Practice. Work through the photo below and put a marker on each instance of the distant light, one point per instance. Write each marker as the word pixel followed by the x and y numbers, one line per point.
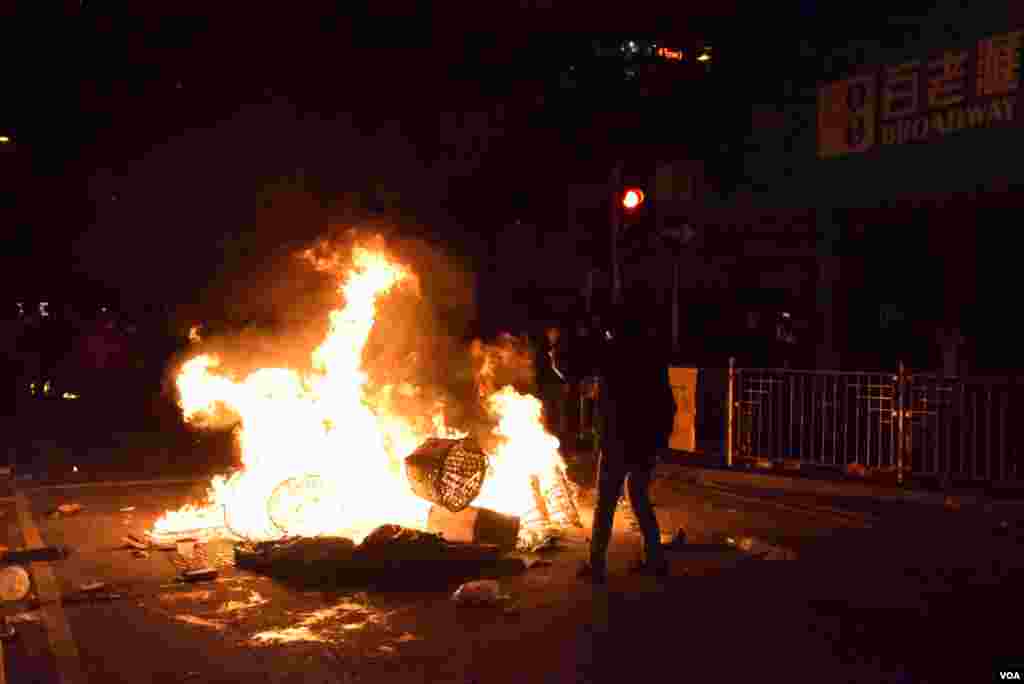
pixel 4 139
pixel 670 54
pixel 74 469
pixel 70 395
pixel 705 54
pixel 633 198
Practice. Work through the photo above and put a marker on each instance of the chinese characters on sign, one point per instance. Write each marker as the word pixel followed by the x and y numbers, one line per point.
pixel 920 100
pixel 947 80
pixel 846 116
pixel 999 64
pixel 900 90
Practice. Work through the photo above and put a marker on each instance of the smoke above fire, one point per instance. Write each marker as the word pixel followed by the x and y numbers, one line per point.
pixel 343 399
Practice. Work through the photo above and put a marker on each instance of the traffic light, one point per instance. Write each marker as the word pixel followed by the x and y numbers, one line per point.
pixel 632 198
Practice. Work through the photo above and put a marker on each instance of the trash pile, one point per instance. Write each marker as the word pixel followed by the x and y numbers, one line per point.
pixel 387 547
pixel 450 474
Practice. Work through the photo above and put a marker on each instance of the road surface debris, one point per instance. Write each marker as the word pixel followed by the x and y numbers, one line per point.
pixel 200 575
pixel 65 510
pixel 479 592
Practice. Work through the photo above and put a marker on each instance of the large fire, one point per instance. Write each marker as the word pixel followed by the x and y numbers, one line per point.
pixel 328 453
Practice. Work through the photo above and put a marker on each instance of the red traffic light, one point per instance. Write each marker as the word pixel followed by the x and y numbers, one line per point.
pixel 632 198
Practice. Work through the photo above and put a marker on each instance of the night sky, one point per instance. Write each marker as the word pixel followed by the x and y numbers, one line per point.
pixel 158 148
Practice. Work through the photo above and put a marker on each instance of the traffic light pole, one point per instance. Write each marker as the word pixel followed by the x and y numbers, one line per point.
pixel 675 303
pixel 616 229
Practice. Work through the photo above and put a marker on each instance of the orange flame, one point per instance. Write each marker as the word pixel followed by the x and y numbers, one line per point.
pixel 321 458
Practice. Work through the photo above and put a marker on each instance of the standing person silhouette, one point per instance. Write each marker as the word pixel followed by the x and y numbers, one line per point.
pixel 551 378
pixel 637 410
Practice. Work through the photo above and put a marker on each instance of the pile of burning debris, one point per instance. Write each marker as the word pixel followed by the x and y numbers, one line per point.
pixel 449 473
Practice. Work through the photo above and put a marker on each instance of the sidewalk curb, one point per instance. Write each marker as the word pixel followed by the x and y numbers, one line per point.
pixel 722 477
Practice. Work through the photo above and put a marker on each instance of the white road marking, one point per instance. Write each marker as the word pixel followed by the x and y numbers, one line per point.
pixel 124 483
pixel 58 631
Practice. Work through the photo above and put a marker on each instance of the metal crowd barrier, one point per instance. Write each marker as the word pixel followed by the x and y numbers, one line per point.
pixel 913 423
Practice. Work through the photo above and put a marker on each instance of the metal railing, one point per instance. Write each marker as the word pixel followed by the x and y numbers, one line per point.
pixel 912 423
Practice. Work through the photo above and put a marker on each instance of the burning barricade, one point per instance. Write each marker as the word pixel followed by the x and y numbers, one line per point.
pixel 329 468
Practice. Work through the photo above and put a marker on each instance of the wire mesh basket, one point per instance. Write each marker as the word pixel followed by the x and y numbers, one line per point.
pixel 447 472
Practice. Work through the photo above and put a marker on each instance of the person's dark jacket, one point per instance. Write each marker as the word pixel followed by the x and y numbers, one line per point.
pixel 547 378
pixel 636 401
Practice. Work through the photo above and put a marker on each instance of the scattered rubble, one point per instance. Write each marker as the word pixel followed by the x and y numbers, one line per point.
pixel 858 470
pixel 474 526
pixel 66 509
pixel 760 549
pixel 479 592
pixel 91 596
pixel 255 599
pixel 552 542
pixel 182 595
pixel 200 575
pixel 46 553
pixel 301 550
pixel 200 622
pixel 91 586
pixel 134 542
pixel 140 554
pixel 21 618
pixel 186 548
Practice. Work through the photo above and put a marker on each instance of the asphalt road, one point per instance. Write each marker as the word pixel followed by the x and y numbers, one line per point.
pixel 923 595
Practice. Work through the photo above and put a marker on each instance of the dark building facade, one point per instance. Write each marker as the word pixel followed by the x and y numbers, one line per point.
pixel 874 184
pixel 906 156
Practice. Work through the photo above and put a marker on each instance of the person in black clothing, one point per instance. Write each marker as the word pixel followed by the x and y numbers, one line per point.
pixel 583 364
pixel 551 379
pixel 637 410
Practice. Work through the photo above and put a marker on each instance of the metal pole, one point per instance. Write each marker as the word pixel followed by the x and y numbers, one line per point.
pixel 730 401
pixel 675 306
pixel 616 228
pixel 901 403
pixel 588 294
